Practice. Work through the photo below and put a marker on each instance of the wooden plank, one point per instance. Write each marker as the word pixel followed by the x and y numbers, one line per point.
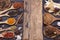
pixel 33 17
pixel 26 17
pixel 35 30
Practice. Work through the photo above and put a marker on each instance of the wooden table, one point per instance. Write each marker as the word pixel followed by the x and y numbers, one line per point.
pixel 32 20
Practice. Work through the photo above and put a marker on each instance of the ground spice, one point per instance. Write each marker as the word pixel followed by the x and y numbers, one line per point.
pixel 9 35
pixel 11 21
pixel 18 5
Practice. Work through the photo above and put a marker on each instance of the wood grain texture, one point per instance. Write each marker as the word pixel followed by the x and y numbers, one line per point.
pixel 33 16
pixel 26 14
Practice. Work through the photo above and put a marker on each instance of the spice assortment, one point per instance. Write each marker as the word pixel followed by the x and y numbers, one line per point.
pixel 51 16
pixel 4 4
pixel 11 19
pixel 14 6
pixel 11 13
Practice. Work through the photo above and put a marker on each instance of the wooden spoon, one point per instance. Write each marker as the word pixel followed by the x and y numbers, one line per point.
pixel 16 5
pixel 48 18
pixel 51 31
pixel 19 18
pixel 12 28
pixel 8 34
pixel 8 15
pixel 9 21
pixel 4 4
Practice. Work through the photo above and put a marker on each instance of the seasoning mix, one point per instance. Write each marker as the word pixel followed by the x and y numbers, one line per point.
pixel 11 19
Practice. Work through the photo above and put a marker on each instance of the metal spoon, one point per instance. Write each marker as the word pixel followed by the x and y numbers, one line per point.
pixel 48 18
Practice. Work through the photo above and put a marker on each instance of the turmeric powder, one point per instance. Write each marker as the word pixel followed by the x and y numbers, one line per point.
pixel 11 21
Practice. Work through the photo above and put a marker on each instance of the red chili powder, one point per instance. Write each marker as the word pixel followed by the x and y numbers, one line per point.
pixel 18 5
pixel 9 35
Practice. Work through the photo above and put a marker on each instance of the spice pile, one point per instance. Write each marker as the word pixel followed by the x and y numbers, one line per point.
pixel 11 19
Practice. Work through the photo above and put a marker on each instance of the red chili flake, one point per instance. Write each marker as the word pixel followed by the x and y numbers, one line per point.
pixel 9 35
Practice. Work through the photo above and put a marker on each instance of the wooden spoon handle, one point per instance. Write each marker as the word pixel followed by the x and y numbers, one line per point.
pixel 58 32
pixel 19 19
pixel 2 22
pixel 4 11
pixel 52 28
pixel 57 18
pixel 3 15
